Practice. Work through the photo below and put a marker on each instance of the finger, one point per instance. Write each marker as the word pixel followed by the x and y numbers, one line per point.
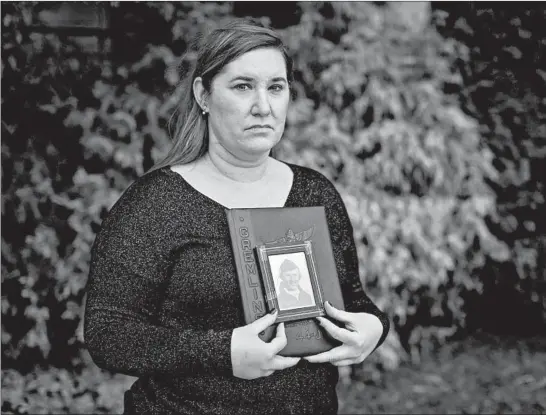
pixel 345 362
pixel 338 333
pixel 333 355
pixel 279 342
pixel 282 362
pixel 337 314
pixel 264 322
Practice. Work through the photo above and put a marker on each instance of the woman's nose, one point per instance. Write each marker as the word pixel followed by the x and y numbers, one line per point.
pixel 261 105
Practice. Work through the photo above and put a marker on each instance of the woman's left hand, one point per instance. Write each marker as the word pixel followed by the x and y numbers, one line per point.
pixel 359 337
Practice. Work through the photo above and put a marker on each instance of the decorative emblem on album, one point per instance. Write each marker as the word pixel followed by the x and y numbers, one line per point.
pixel 294 237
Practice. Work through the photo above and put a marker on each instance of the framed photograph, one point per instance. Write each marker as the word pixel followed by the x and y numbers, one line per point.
pixel 290 280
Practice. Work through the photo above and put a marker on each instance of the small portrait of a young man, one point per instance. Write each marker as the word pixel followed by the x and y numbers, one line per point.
pixel 292 281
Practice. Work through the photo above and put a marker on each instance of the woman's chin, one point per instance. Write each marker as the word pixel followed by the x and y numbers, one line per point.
pixel 259 145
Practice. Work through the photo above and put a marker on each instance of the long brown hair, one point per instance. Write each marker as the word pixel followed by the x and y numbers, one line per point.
pixel 219 48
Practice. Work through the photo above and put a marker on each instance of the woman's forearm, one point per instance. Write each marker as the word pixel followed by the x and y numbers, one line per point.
pixel 123 342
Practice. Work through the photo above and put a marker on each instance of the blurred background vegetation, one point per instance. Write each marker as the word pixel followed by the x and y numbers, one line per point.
pixel 430 118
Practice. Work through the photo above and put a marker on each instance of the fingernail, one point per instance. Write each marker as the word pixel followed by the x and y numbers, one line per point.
pixel 273 311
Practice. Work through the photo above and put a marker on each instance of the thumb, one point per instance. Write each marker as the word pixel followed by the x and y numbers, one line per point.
pixel 264 322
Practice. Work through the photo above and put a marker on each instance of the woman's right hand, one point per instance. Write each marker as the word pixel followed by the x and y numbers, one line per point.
pixel 253 358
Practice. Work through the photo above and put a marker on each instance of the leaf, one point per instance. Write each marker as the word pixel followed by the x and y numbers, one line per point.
pixel 127 119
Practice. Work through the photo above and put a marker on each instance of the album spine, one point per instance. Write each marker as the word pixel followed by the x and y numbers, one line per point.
pixel 243 243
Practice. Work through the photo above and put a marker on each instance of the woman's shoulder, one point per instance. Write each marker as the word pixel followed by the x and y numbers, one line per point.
pixel 307 176
pixel 149 194
pixel 140 210
pixel 314 187
pixel 155 183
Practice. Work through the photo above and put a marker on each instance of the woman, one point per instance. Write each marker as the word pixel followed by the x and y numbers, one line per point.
pixel 163 298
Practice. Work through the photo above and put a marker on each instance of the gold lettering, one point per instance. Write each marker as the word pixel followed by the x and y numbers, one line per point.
pixel 307 335
pixel 252 283
pixel 251 268
pixel 258 306
pixel 247 255
pixel 246 244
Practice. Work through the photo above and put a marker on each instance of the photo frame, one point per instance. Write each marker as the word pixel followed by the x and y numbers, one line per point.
pixel 290 280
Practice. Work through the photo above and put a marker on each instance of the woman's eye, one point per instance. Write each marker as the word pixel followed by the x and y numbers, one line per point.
pixel 242 87
pixel 277 87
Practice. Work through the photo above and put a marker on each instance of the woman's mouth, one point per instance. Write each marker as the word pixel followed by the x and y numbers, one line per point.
pixel 260 127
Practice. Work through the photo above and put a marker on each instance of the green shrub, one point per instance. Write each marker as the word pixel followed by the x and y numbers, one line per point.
pixel 60 391
pixel 376 109
pixel 373 114
pixel 505 86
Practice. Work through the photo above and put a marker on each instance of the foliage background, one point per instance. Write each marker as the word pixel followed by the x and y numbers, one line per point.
pixel 430 119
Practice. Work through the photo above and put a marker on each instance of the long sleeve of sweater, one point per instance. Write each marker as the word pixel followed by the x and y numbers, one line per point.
pixel 128 277
pixel 355 298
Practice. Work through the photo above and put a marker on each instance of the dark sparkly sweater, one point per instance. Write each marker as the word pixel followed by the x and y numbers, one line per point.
pixel 163 300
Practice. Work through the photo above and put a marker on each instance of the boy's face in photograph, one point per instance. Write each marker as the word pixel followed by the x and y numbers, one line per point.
pixel 292 278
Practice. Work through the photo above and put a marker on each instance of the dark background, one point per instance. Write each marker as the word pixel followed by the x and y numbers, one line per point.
pixel 429 118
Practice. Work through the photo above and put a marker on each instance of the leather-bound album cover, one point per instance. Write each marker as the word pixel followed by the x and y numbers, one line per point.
pixel 284 260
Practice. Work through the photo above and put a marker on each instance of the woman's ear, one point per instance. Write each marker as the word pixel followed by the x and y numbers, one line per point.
pixel 200 93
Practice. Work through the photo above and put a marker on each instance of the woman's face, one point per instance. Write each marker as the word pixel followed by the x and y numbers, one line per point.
pixel 247 104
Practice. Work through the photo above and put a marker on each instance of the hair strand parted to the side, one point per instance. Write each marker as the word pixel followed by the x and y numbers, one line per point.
pixel 216 50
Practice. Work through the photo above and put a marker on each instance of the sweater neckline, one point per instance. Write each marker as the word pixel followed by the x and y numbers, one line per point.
pixel 168 171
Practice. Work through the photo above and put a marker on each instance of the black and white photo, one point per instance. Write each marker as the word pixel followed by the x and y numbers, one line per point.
pixel 292 281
